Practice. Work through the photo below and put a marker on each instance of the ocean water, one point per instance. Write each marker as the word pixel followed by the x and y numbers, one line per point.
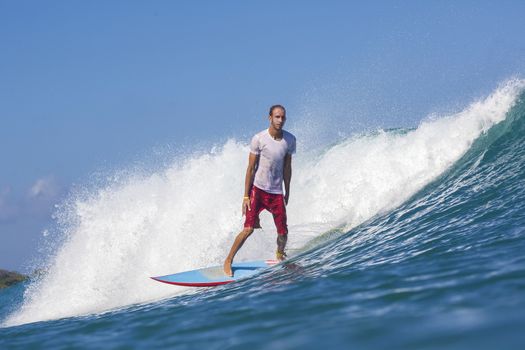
pixel 408 239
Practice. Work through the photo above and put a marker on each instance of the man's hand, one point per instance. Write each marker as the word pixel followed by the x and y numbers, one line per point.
pixel 286 196
pixel 246 205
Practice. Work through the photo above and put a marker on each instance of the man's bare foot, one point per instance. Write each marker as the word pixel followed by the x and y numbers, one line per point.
pixel 281 256
pixel 228 268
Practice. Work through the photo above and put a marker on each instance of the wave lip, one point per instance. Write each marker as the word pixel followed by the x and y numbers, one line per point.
pixel 363 176
pixel 146 225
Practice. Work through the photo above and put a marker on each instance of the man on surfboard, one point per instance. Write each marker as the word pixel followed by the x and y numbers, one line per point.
pixel 269 165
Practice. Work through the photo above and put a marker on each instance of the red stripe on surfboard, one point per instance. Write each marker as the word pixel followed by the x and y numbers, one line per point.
pixel 203 284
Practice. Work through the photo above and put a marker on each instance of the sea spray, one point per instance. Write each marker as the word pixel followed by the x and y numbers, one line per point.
pixel 187 215
pixel 365 175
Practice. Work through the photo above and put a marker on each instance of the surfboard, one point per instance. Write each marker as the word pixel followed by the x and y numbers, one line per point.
pixel 215 276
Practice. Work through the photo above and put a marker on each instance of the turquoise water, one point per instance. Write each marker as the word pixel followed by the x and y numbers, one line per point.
pixel 444 269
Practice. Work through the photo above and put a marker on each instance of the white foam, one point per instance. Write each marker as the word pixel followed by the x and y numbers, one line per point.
pixel 187 215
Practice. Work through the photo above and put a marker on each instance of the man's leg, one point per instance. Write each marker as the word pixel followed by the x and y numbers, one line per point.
pixel 237 244
pixel 278 210
pixel 281 244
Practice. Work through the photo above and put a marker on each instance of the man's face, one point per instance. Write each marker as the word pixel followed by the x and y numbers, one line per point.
pixel 277 118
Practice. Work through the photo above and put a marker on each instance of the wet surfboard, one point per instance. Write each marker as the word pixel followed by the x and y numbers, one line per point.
pixel 215 276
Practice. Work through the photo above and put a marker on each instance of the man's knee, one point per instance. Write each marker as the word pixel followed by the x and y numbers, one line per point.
pixel 247 232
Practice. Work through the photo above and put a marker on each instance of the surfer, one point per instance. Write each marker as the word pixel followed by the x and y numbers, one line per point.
pixel 269 165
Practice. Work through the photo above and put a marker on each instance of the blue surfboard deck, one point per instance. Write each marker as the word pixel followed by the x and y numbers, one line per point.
pixel 215 276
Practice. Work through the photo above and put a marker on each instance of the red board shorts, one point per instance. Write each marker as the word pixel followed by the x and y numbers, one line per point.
pixel 274 203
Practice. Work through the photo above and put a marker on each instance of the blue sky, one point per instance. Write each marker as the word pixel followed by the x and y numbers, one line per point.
pixel 90 85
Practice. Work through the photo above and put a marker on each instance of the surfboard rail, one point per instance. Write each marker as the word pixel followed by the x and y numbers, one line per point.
pixel 194 284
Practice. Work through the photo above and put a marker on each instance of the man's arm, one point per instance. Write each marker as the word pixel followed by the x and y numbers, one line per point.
pixel 248 181
pixel 287 176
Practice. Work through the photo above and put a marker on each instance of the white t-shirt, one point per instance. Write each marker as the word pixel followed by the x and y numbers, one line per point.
pixel 270 170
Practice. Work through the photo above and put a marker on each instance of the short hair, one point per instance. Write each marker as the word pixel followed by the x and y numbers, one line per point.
pixel 277 106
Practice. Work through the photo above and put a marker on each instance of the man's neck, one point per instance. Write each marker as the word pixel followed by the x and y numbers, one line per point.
pixel 276 134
